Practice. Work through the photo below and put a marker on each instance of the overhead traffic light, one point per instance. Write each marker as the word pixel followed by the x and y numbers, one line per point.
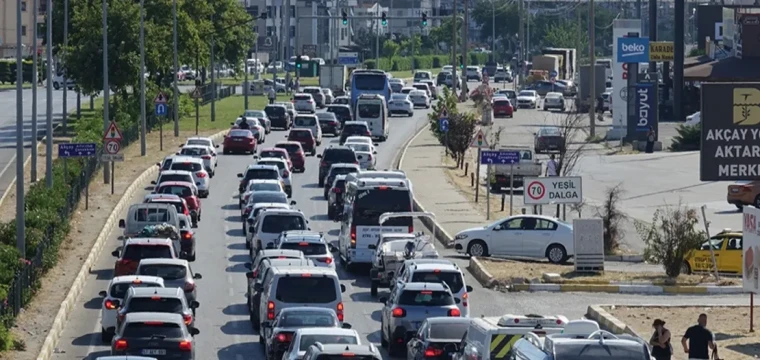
pixel 424 19
pixel 298 62
pixel 384 20
pixel 345 17
pixel 461 62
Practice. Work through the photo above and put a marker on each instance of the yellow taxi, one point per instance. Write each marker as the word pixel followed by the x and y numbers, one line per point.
pixel 727 246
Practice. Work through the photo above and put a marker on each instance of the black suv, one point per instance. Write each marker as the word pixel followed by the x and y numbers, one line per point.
pixel 353 128
pixel 342 112
pixel 278 115
pixel 334 155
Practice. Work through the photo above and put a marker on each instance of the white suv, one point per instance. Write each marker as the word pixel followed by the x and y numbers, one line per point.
pixel 113 299
pixel 270 223
pixel 304 103
pixel 439 271
pixel 282 167
pixel 312 244
pixel 198 169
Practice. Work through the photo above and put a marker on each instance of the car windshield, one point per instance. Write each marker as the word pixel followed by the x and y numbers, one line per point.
pixel 526 93
pixel 312 91
pixel 200 142
pixel 369 110
pixel 175 177
pixel 275 224
pixel 425 298
pixel 306 289
pixel 341 100
pixel 142 330
pixel 264 187
pixel 311 339
pixel 342 170
pixel 453 279
pixel 421 75
pixel 118 291
pixel 290 148
pixel 360 147
pixel 306 247
pixel 550 132
pixel 305 121
pixel 448 331
pixel 307 318
pixel 179 190
pixel 272 154
pixel 152 215
pixel 280 164
pixel 164 271
pixel 373 82
pixel 137 252
pixel 263 174
pixel 155 304
pixel 269 197
pixel 193 151
pixel 187 166
pixel 240 133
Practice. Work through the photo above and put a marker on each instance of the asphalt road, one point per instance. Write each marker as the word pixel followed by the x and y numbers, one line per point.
pixel 222 317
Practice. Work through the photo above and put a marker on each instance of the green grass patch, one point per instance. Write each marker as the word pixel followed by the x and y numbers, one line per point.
pixel 13 86
pixel 227 110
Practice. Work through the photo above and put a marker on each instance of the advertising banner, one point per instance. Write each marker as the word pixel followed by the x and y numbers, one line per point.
pixel 633 50
pixel 751 250
pixel 661 51
pixel 621 28
pixel 730 132
pixel 646 102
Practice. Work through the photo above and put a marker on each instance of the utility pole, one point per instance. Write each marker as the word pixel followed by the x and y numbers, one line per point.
pixel 106 103
pixel 521 34
pixel 143 124
pixel 35 81
pixel 678 59
pixel 465 24
pixel 653 31
pixel 213 75
pixel 49 98
pixel 493 31
pixel 20 218
pixel 377 37
pixel 527 30
pixel 454 78
pixel 592 72
pixel 65 119
pixel 176 70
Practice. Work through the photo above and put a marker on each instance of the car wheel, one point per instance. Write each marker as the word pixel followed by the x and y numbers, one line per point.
pixel 739 206
pixel 191 257
pixel 373 289
pixel 56 86
pixel 477 248
pixel 556 254
pixel 685 268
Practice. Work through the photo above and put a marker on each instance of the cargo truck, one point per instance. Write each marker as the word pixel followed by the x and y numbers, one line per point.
pixel 584 98
pixel 569 65
pixel 333 77
pixel 547 63
pixel 502 174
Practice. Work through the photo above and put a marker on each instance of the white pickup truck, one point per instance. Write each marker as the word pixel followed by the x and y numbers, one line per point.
pixel 527 167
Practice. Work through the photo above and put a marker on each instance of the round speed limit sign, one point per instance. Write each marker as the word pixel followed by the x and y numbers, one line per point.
pixel 112 147
pixel 536 190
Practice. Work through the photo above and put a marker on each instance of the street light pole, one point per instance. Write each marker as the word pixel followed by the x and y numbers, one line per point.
pixel 106 104
pixel 49 98
pixel 592 61
pixel 143 124
pixel 20 219
pixel 65 77
pixel 176 71
pixel 35 7
pixel 493 31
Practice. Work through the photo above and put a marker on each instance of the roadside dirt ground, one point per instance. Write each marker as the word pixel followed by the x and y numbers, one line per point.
pixel 33 324
pixel 730 326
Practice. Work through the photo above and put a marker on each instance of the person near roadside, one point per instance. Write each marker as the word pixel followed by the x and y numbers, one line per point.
pixel 272 94
pixel 650 140
pixel 660 341
pixel 698 340
pixel 551 166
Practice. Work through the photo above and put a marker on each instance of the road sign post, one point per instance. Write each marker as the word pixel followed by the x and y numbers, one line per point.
pixel 197 95
pixel 478 141
pixel 112 145
pixel 499 157
pixel 75 150
pixel 443 126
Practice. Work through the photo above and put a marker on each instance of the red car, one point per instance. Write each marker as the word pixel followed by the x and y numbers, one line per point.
pixel 502 107
pixel 296 153
pixel 239 140
pixel 277 153
pixel 185 191
pixel 306 138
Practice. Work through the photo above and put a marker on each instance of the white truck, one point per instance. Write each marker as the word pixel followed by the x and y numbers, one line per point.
pixel 528 166
pixel 333 77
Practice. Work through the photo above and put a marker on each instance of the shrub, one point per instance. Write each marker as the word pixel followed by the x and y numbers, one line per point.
pixel 401 63
pixel 689 138
pixel 670 237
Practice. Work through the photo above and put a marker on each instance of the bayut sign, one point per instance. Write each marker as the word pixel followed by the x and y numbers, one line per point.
pixel 645 107
pixel 633 50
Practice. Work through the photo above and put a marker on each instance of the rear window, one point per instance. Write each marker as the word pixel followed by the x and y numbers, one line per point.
pixel 240 133
pixel 138 330
pixel 312 91
pixel 371 203
pixel 265 187
pixel 326 116
pixel 302 97
pixel 501 103
pixel 175 177
pixel 452 279
pixel 280 165
pixel 339 156
pixel 339 110
pixel 137 252
pixel 305 121
pixel 300 134
pixel 263 174
pixel 340 184
pixel 157 304
pixel 305 247
pixel 187 166
pixel 272 154
pixel 370 110
pixel 275 224
pixel 550 132
pixel 151 215
pixel 449 331
pixel 179 190
pixel 344 357
pixel 290 148
pixel 355 128
pixel 422 76
pixel 420 87
pixel 306 289
pixel 309 340
pixel 307 319
pixel 164 271
pixel 342 171
pixel 425 298
pixel 275 110
pixel 194 151
pixel 118 291
pixel 280 198
pixel 177 205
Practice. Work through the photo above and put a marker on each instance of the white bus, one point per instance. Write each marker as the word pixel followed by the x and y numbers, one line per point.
pixel 373 109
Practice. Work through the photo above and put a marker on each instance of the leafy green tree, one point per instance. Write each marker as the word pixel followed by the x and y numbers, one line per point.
pixel 412 43
pixel 565 35
pixel 390 49
pixel 442 34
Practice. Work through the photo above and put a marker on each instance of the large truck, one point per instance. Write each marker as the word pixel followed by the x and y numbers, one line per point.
pixel 333 77
pixel 569 66
pixel 584 98
pixel 548 63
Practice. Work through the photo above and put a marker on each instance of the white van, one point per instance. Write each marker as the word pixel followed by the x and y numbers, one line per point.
pixel 372 109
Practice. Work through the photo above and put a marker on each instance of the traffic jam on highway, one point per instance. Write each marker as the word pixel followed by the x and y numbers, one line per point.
pixel 295 299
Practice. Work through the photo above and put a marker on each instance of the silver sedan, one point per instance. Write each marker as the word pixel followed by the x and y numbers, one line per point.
pixel 419 98
pixel 400 104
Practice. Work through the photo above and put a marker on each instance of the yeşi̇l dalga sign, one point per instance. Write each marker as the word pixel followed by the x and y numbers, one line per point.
pixel 553 190
pixel 730 143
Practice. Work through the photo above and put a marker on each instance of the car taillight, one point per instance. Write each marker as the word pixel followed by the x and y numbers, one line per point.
pixel 121 317
pixel 270 310
pixel 201 175
pixel 398 312
pixel 464 299
pixel 188 318
pixel 336 190
pixel 284 337
pixel 541 139
pixel 124 262
pixel 328 260
pixel 455 313
pixel 245 198
pixel 432 352
pixel 746 188
pixel 189 286
pixel 206 157
pixel 340 311
pixel 188 236
pixel 285 174
pixel 256 273
pixel 185 345
pixel 411 229
pixel 120 345
pixel 247 211
pixel 353 236
pixel 110 305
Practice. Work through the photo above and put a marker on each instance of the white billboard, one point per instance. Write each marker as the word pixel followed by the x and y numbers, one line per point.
pixel 621 28
pixel 751 249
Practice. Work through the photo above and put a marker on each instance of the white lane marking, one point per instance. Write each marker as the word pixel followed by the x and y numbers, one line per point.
pixel 95 339
pixel 231 292
pixel 229 279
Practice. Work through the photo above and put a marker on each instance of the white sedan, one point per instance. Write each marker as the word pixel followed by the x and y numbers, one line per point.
pixel 202 152
pixel 365 153
pixel 400 104
pixel 419 98
pixel 528 99
pixel 532 236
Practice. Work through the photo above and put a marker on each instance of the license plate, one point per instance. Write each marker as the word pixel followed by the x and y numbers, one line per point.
pixel 500 112
pixel 153 351
pixel 238 139
pixel 734 190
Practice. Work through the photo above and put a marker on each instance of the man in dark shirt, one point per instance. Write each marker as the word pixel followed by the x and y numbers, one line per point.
pixel 700 340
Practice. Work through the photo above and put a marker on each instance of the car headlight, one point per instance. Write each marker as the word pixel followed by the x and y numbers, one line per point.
pixel 460 237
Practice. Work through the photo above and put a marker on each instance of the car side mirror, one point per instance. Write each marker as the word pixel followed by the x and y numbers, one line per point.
pixel 346 326
pixel 153 182
pixel 469 288
pixel 248 266
pixel 239 175
pixel 194 331
pixel 372 247
pixel 181 146
pixel 249 275
pixel 342 288
pixel 103 293
pixel 374 153
pixel 115 253
pixel 232 123
pixel 122 223
pixel 255 156
pixel 319 156
pixel 216 146
pixel 293 202
pixel 256 286
pixel 382 299
pixel 158 164
pixel 195 304
pixel 197 276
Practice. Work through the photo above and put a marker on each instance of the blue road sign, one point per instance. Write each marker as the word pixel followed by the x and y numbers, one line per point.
pixel 488 157
pixel 443 125
pixel 161 109
pixel 633 50
pixel 67 150
pixel 348 58
pixel 553 73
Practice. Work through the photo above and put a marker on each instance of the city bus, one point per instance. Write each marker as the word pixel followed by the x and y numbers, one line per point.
pixel 369 82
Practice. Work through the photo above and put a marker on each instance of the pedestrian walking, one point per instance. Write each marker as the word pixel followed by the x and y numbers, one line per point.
pixel 698 341
pixel 551 166
pixel 272 94
pixel 650 140
pixel 298 85
pixel 288 81
pixel 660 341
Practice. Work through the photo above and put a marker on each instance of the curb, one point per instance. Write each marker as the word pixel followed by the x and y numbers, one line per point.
pixel 637 258
pixel 631 289
pixel 480 273
pixel 609 322
pixel 62 316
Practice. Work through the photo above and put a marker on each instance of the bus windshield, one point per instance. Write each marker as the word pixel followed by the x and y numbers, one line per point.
pixel 372 203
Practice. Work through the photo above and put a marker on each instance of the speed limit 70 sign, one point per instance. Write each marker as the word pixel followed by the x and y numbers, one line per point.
pixel 553 190
pixel 112 147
